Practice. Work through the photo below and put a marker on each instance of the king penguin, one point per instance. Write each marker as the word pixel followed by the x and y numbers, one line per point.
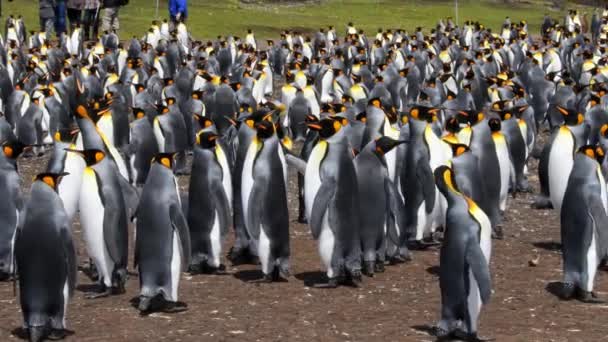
pixel 103 216
pixel 210 203
pixel 332 203
pixel 380 203
pixel 584 224
pixel 46 259
pixel 162 243
pixel 464 272
pixel 11 207
pixel 264 198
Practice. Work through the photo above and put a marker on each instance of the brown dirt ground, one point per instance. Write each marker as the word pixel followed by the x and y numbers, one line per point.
pixel 388 307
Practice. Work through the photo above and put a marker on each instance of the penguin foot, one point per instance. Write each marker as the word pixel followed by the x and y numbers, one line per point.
pixel 397 259
pixel 4 276
pixel 302 219
pixel 57 334
pixel 240 256
pixel 567 291
pixel 104 292
pixel 542 202
pixel 439 332
pixel 368 268
pixel 497 233
pixel 469 337
pixel 175 307
pixel 332 283
pixel 355 279
pixel 379 267
pixel 144 304
pixel 589 297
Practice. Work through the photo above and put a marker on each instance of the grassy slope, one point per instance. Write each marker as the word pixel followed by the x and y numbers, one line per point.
pixel 210 18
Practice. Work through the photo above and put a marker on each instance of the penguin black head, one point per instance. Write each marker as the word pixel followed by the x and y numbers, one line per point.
pixel 470 117
pixel 571 116
pixel 170 101
pixel 203 121
pixel 138 113
pixel 12 149
pixel 445 179
pixel 165 159
pixel 66 135
pixel 51 179
pixel 452 125
pixel 265 129
pixel 206 140
pixel 459 149
pixel 162 109
pixel 90 156
pixel 326 127
pixel 593 152
pixel 384 144
pixel 375 102
pixel 494 124
pixel 424 113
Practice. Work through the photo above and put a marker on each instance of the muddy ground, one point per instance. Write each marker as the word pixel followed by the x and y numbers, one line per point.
pixel 393 306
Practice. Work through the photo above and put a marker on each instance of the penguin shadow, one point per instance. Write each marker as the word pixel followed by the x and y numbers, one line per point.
pixel 88 287
pixel 313 278
pixel 22 333
pixel 430 331
pixel 158 305
pixel 556 288
pixel 433 270
pixel 254 276
pixel 548 245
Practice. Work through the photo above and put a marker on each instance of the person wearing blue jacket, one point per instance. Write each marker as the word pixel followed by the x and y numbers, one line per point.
pixel 178 10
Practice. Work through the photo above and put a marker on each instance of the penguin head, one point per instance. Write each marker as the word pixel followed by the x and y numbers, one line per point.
pixel 423 113
pixel 170 101
pixel 138 113
pixel 203 121
pixel 66 135
pixel 206 139
pixel 470 117
pixel 326 127
pixel 495 125
pixel 594 152
pixel 51 179
pixel 452 125
pixel 445 180
pixel 375 102
pixel 165 159
pixel 385 144
pixel 459 149
pixel 12 149
pixel 571 116
pixel 90 156
pixel 265 129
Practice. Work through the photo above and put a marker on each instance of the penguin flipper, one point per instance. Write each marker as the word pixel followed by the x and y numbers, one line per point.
pixel 321 204
pixel 425 177
pixel 396 208
pixel 114 239
pixel 70 258
pixel 254 220
pixel 481 271
pixel 600 221
pixel 130 195
pixel 223 212
pixel 296 162
pixel 179 223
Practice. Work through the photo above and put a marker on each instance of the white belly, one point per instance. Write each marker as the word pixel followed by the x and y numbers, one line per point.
pixel 504 163
pixel 176 265
pixel 69 187
pixel 106 125
pixel 473 301
pixel 66 299
pixel 264 252
pixel 247 180
pixel 312 177
pixel 158 134
pixel 91 220
pixel 560 166
pixel 216 242
pixel 326 247
pixel 592 263
pixel 226 178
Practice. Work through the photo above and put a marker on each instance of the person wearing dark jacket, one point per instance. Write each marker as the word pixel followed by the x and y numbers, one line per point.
pixel 109 20
pixel 75 13
pixel 90 19
pixel 60 22
pixel 47 16
pixel 178 10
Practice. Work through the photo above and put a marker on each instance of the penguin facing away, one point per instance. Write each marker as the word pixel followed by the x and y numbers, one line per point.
pixel 46 259
pixel 210 203
pixel 464 273
pixel 162 244
pixel 584 224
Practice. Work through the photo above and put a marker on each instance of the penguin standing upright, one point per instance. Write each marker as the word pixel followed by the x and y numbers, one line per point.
pixel 11 206
pixel 264 196
pixel 162 244
pixel 332 203
pixel 504 161
pixel 46 259
pixel 584 224
pixel 103 216
pixel 464 272
pixel 210 202
pixel 381 203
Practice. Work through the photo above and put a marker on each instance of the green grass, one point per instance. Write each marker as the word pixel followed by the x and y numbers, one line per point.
pixel 207 19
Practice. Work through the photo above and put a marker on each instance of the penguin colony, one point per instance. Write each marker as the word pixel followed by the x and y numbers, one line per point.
pixel 408 141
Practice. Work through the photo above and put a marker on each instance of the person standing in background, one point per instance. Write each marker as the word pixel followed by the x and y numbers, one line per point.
pixel 47 16
pixel 178 11
pixel 60 21
pixel 75 12
pixel 109 20
pixel 90 19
